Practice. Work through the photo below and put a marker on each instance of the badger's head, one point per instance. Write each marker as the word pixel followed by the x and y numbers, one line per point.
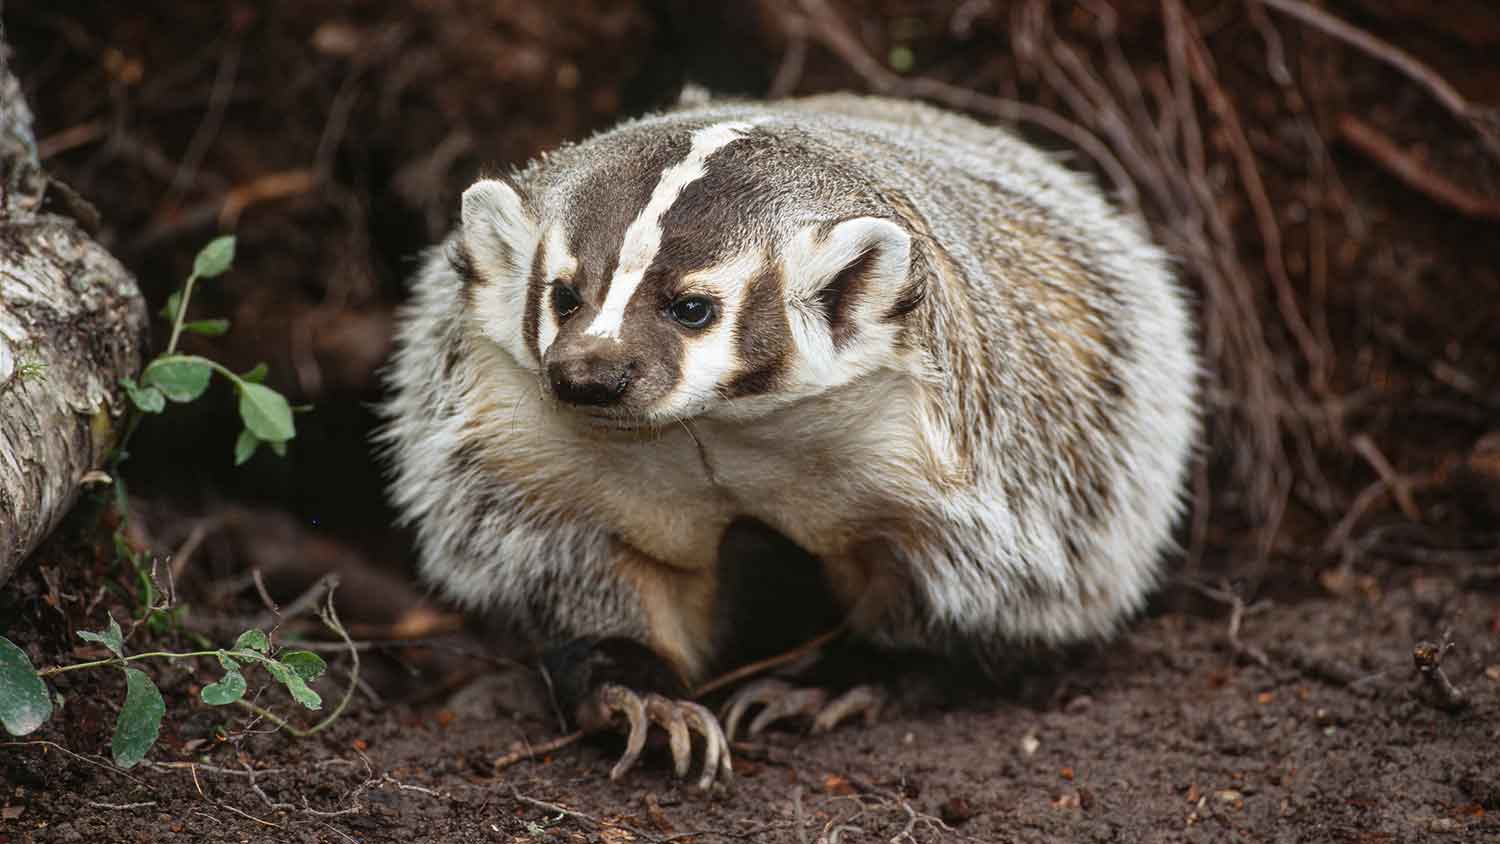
pixel 673 268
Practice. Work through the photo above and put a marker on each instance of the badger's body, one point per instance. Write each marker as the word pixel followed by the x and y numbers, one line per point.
pixel 936 360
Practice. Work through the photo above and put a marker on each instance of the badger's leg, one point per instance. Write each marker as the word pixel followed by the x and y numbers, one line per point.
pixel 877 594
pixel 628 684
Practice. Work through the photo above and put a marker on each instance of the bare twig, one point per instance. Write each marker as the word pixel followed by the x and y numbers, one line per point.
pixel 789 72
pixel 1410 169
pixel 770 663
pixel 1238 610
pixel 70 138
pixel 1270 231
pixel 184 554
pixel 203 138
pixel 1399 485
pixel 832 31
pixel 581 816
pixel 244 814
pixel 1484 120
pixel 532 751
pixel 122 806
pixel 1427 658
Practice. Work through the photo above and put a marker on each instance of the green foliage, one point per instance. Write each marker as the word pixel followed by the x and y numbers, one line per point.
pixel 308 665
pixel 140 719
pixel 265 413
pixel 29 369
pixel 147 399
pixel 25 704
pixel 215 258
pixel 207 327
pixel 181 378
pixel 253 640
pixel 110 637
pixel 175 378
pixel 228 690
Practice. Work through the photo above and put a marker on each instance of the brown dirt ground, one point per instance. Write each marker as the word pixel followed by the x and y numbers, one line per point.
pixel 332 138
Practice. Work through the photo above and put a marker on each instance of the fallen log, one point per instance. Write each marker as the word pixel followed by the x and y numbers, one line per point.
pixel 72 324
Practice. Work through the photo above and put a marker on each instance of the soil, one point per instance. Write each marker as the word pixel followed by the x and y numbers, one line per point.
pixel 1270 693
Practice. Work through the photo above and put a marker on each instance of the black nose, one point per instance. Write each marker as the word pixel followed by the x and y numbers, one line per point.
pixel 589 380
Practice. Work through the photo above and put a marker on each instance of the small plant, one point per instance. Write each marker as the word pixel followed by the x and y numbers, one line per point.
pixel 25 703
pixel 182 378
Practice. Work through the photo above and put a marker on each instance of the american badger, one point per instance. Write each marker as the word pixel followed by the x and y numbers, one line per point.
pixel 914 346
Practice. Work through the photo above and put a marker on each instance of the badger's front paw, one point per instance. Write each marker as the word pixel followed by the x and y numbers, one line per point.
pixel 615 706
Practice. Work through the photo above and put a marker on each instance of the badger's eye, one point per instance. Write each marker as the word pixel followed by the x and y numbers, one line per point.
pixel 692 311
pixel 564 301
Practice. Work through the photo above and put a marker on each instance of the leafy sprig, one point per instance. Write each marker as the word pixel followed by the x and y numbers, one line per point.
pixel 25 703
pixel 180 378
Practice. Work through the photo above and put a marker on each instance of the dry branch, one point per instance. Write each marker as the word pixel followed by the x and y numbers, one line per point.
pixel 72 324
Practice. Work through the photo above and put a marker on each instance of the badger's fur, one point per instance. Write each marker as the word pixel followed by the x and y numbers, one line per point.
pixel 935 359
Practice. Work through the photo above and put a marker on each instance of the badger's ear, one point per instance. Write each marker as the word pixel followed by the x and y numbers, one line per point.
pixel 853 273
pixel 499 233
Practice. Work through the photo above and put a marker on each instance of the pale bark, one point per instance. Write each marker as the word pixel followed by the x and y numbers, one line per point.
pixel 72 324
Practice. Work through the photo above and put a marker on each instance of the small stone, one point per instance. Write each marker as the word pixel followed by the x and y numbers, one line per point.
pixel 955 810
pixel 1030 743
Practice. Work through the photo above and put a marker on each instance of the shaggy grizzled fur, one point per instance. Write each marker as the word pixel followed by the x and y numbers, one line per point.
pixel 935 359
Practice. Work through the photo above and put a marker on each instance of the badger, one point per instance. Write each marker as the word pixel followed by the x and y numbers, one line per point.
pixel 938 367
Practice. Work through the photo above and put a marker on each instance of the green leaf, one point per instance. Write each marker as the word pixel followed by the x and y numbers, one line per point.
pixel 302 693
pixel 228 662
pixel 256 375
pixel 24 702
pixel 214 258
pixel 278 448
pixel 308 665
pixel 294 683
pixel 245 446
pixel 148 399
pixel 140 719
pixel 253 640
pixel 266 413
pixel 110 637
pixel 279 671
pixel 169 311
pixel 206 327
pixel 226 691
pixel 180 379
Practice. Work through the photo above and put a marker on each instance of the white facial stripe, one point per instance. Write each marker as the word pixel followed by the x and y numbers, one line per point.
pixel 558 265
pixel 643 236
pixel 709 357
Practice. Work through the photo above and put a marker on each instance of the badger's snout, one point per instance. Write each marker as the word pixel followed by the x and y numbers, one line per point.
pixel 590 374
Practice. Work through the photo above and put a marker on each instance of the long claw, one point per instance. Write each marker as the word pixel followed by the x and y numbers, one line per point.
pixel 761 691
pixel 669 716
pixel 866 699
pixel 622 700
pixel 798 702
pixel 716 763
pixel 680 719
